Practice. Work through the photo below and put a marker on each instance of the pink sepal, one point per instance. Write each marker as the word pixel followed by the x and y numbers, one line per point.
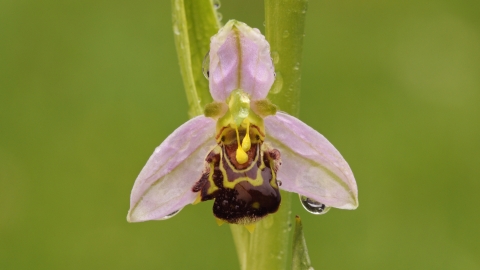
pixel 311 166
pixel 165 183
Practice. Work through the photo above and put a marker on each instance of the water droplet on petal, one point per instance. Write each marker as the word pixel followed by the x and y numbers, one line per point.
pixel 314 207
pixel 206 66
pixel 216 4
pixel 171 214
pixel 286 34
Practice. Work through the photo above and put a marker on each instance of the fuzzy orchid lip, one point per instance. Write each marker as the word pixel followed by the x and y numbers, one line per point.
pixel 240 150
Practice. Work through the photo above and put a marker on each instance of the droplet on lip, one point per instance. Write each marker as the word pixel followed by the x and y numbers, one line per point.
pixel 313 207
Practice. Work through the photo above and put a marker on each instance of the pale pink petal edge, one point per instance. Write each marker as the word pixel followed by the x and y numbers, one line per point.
pixel 311 165
pixel 165 182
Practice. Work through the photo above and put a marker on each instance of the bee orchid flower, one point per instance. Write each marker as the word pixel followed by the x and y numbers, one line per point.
pixel 242 150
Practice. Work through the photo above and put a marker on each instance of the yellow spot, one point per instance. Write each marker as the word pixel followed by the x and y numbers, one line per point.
pixel 246 143
pixel 212 187
pixel 198 199
pixel 219 221
pixel 256 205
pixel 241 155
pixel 273 182
pixel 250 227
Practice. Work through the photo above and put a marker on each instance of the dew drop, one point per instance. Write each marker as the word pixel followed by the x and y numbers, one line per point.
pixel 277 84
pixel 279 183
pixel 297 66
pixel 176 29
pixel 206 66
pixel 313 207
pixel 219 16
pixel 268 222
pixel 286 34
pixel 275 57
pixel 171 214
pixel 178 5
pixel 216 4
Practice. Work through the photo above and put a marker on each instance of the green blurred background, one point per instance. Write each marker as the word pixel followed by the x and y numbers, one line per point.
pixel 88 89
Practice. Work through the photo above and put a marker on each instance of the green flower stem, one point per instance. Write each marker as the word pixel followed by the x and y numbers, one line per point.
pixel 285 30
pixel 268 246
pixel 194 22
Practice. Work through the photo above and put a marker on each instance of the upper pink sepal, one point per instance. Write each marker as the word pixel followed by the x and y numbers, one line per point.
pixel 240 59
pixel 165 183
pixel 311 166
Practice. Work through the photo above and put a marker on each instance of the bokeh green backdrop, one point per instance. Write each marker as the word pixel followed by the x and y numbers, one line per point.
pixel 88 89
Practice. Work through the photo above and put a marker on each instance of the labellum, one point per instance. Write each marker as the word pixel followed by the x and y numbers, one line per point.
pixel 244 192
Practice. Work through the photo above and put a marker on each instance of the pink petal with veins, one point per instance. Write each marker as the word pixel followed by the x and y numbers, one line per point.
pixel 240 59
pixel 311 166
pixel 165 183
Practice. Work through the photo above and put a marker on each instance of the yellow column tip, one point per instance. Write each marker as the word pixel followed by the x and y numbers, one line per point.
pixel 241 155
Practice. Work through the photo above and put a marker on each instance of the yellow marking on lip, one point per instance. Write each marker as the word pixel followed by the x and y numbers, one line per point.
pixel 250 227
pixel 219 221
pixel 258 181
pixel 198 199
pixel 212 187
pixel 273 181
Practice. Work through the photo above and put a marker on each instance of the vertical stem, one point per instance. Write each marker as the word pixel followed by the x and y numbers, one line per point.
pixel 268 246
pixel 285 28
pixel 194 23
